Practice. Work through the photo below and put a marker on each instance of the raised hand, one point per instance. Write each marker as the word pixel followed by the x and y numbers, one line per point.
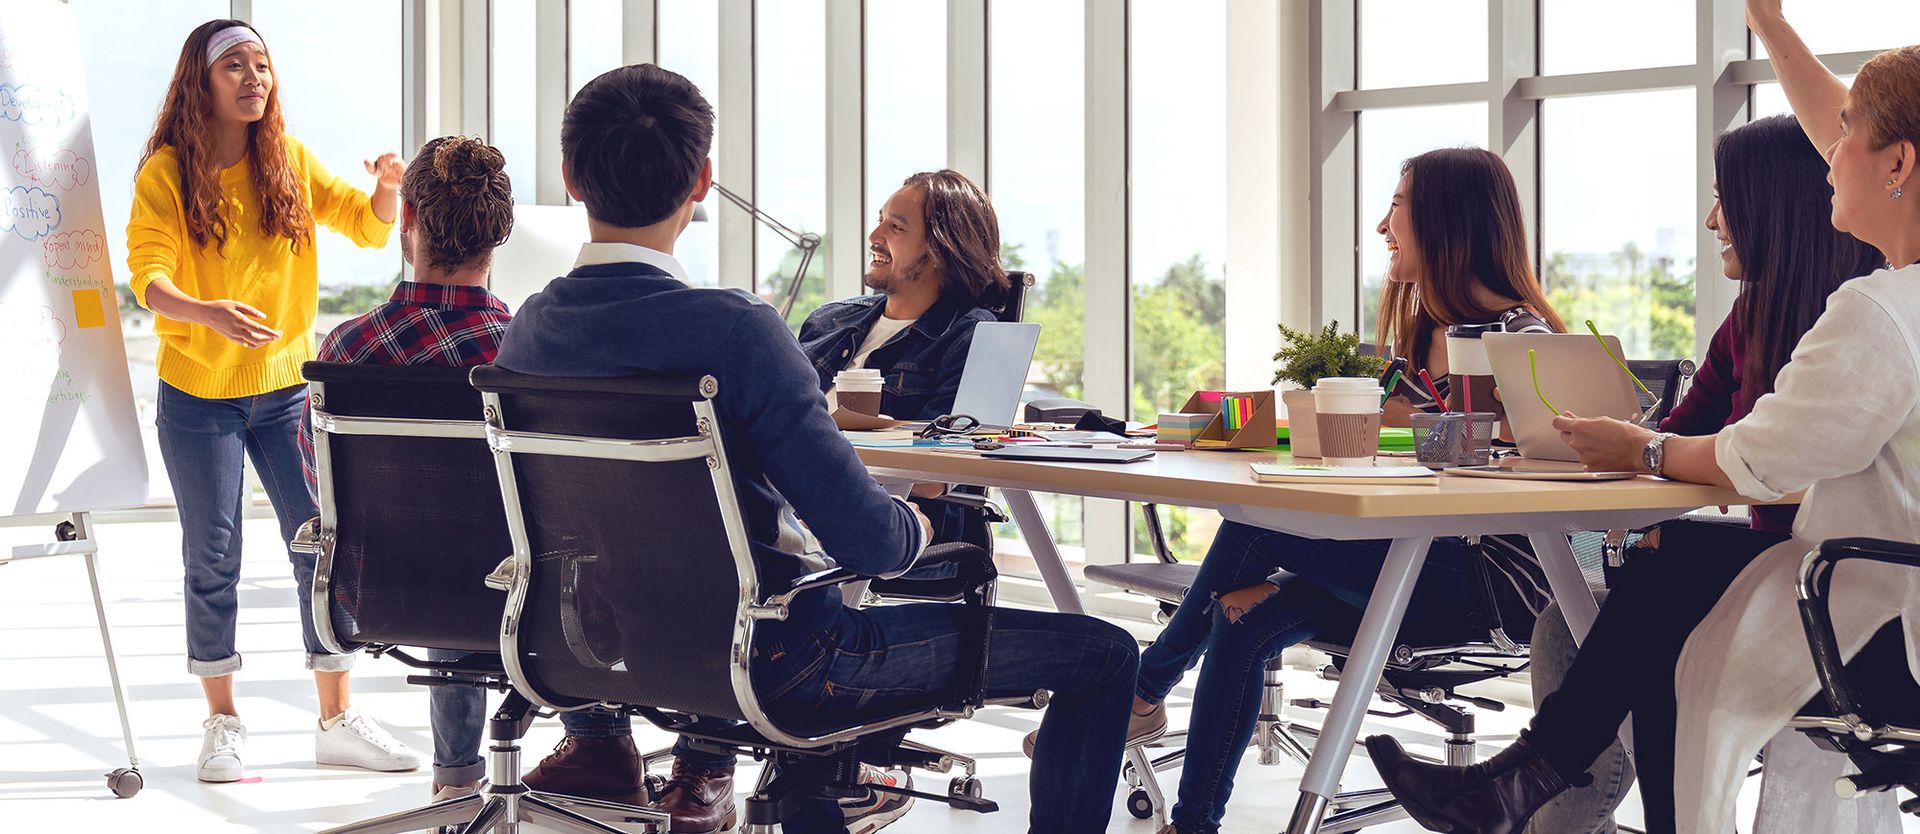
pixel 237 322
pixel 386 170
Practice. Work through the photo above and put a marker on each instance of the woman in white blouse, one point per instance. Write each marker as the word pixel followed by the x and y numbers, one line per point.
pixel 1843 423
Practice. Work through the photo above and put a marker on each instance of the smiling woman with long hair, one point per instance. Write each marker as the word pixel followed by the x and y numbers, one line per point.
pixel 220 246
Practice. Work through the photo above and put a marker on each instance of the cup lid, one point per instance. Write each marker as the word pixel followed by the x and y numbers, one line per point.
pixel 1343 384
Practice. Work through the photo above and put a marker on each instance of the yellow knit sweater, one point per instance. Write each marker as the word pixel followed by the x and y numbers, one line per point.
pixel 264 271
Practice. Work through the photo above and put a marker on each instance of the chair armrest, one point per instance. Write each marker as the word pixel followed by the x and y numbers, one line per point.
pixel 307 538
pixel 1816 616
pixel 972 501
pixel 775 607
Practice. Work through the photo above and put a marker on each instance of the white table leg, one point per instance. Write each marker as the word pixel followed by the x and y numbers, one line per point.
pixel 1568 583
pixel 1046 556
pixel 1358 680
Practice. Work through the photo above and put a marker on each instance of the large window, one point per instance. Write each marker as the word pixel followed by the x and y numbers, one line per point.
pixel 595 40
pixel 1036 152
pixel 1177 139
pixel 1388 138
pixel 511 87
pixel 906 77
pixel 1604 142
pixel 790 155
pixel 1412 43
pixel 1582 36
pixel 346 112
pixel 1619 221
pixel 1850 25
pixel 689 44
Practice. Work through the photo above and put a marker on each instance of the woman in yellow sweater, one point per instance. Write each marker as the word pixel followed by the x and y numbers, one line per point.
pixel 221 246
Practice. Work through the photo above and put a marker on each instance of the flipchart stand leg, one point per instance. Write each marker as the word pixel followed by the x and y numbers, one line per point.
pixel 74 537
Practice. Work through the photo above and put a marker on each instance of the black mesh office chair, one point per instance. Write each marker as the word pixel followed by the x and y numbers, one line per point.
pixel 410 524
pixel 625 484
pixel 1872 704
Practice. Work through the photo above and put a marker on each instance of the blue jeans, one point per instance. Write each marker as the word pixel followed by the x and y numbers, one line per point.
pixel 458 716
pixel 203 442
pixel 1328 586
pixel 1581 810
pixel 872 660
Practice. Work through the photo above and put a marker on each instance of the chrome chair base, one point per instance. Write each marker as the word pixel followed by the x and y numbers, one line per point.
pixel 503 811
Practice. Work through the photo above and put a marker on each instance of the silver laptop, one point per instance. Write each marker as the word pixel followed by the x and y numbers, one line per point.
pixel 1575 375
pixel 996 372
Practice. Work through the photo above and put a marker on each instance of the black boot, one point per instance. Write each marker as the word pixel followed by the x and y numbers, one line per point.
pixel 1496 796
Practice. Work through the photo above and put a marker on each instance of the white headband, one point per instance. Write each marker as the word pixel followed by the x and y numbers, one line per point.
pixel 229 38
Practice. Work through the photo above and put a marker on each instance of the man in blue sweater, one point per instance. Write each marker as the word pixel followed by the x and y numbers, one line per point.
pixel 634 150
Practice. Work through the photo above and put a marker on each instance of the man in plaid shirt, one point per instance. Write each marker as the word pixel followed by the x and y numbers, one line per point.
pixel 424 323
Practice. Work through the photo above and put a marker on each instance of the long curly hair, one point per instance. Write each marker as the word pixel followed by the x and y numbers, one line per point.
pixel 186 124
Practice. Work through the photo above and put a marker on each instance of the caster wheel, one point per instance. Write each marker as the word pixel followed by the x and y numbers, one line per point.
pixel 654 786
pixel 125 782
pixel 966 786
pixel 1140 805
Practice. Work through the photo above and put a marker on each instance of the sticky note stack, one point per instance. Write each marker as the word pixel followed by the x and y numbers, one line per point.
pixel 1236 410
pixel 1183 428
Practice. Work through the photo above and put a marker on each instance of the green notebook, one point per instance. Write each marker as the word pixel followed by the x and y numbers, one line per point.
pixel 1391 439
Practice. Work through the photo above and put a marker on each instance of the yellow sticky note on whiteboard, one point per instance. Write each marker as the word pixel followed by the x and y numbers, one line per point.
pixel 88 310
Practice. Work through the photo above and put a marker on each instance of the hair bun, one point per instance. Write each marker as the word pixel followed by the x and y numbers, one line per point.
pixel 466 165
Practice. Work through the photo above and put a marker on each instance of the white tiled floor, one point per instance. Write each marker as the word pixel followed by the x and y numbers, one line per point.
pixel 59 733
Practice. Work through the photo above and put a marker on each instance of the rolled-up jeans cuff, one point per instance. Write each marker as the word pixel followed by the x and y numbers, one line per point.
pixel 330 662
pixel 214 668
pixel 460 776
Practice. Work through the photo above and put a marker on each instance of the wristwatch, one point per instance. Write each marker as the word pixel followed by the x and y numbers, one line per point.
pixel 1654 457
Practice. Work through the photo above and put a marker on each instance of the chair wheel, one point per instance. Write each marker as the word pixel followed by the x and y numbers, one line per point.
pixel 965 786
pixel 1140 805
pixel 653 786
pixel 125 782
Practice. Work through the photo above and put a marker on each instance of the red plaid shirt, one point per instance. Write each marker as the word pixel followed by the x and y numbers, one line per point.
pixel 422 324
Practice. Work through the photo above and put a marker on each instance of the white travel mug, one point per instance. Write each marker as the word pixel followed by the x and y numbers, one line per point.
pixel 1347 410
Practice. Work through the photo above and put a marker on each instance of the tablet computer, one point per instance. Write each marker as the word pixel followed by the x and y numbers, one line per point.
pixel 1527 469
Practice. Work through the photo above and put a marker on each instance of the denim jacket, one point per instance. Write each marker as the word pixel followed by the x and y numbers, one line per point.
pixel 921 365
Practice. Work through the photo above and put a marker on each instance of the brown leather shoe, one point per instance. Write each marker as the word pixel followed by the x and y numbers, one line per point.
pixel 1497 796
pixel 700 801
pixel 599 768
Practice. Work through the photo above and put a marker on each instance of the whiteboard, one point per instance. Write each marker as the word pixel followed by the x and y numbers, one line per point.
pixel 69 437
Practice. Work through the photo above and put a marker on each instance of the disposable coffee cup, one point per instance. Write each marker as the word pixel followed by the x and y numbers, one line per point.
pixel 858 390
pixel 1470 371
pixel 1347 412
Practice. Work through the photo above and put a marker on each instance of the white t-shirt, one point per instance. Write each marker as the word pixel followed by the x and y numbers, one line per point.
pixel 884 329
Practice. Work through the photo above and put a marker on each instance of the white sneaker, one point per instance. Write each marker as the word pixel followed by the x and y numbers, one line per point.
pixel 220 750
pixel 355 740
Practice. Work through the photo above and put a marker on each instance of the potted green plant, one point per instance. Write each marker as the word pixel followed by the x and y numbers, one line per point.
pixel 1306 358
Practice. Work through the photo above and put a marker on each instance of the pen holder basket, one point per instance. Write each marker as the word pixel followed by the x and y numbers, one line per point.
pixel 1453 438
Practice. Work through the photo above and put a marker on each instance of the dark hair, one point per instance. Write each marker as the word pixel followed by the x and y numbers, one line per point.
pixel 186 124
pixel 1468 229
pixel 963 236
pixel 1776 207
pixel 461 198
pixel 633 142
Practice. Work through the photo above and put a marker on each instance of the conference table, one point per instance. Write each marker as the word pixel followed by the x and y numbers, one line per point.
pixel 1410 515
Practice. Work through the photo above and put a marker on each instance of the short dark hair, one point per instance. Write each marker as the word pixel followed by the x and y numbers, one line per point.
pixel 963 237
pixel 633 142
